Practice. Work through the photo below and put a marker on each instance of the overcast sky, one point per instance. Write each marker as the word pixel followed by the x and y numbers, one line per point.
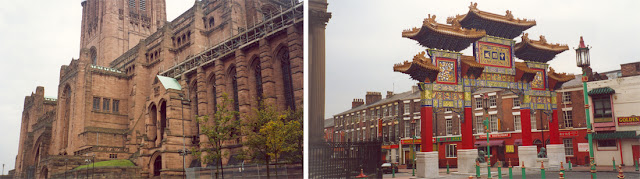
pixel 363 38
pixel 36 38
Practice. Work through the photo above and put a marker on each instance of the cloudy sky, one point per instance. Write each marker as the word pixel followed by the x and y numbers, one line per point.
pixel 363 38
pixel 36 38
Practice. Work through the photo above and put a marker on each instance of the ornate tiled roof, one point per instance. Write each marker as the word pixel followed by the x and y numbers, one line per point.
pixel 524 73
pixel 495 25
pixel 557 79
pixel 443 36
pixel 419 69
pixel 537 50
pixel 470 67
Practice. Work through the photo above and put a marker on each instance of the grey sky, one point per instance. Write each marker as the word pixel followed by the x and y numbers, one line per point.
pixel 363 38
pixel 36 38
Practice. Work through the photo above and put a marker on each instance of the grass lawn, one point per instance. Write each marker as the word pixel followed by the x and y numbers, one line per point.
pixel 109 163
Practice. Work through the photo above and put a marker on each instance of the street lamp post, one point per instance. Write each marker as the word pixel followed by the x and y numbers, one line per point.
pixel 485 105
pixel 583 61
pixel 184 142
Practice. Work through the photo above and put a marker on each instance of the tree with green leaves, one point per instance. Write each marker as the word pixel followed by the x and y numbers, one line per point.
pixel 222 126
pixel 273 135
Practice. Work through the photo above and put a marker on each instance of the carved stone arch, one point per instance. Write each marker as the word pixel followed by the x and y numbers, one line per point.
pixel 232 81
pixel 283 61
pixel 193 97
pixel 151 126
pixel 255 79
pixel 66 98
pixel 212 93
pixel 44 172
pixel 155 163
pixel 162 119
pixel 93 55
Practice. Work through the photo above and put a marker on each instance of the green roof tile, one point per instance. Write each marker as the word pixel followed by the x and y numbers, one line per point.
pixel 169 83
pixel 616 135
pixel 603 90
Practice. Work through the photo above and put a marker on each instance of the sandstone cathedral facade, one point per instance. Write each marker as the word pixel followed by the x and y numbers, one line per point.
pixel 140 81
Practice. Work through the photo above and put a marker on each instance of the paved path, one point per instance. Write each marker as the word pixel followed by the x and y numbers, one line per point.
pixel 579 172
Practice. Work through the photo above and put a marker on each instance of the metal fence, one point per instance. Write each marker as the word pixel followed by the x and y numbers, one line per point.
pixel 345 159
pixel 284 171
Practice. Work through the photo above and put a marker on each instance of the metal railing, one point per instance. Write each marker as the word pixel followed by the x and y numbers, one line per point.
pixel 345 159
pixel 271 25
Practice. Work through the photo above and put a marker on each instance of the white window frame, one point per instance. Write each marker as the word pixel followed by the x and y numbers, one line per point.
pixel 451 151
pixel 516 100
pixel 407 108
pixel 493 101
pixel 566 97
pixel 478 103
pixel 449 128
pixel 407 129
pixel 479 125
pixel 568 146
pixel 517 123
pixel 568 118
pixel 494 123
pixel 534 122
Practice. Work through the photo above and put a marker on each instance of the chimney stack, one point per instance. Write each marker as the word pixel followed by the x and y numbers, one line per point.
pixel 356 103
pixel 415 89
pixel 373 97
pixel 389 94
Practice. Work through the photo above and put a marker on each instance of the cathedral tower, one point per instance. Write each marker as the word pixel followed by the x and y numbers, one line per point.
pixel 111 27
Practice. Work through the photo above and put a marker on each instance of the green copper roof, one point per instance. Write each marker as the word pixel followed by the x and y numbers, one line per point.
pixel 603 90
pixel 169 83
pixel 616 135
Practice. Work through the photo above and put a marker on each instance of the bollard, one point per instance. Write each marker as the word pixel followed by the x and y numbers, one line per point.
pixel 477 169
pixel 447 166
pixel 510 168
pixel 561 175
pixel 524 176
pixel 614 163
pixel 620 174
pixel 362 175
pixel 470 176
pixel 499 170
pixel 570 165
pixel 561 167
pixel 393 171
pixel 636 162
pixel 593 168
pixel 543 175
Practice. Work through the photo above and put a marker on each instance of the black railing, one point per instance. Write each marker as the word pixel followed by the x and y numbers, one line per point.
pixel 345 159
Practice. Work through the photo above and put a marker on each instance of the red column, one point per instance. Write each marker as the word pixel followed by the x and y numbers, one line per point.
pixel 525 121
pixel 554 131
pixel 426 128
pixel 467 129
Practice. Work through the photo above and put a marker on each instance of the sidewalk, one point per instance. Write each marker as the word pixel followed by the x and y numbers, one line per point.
pixel 608 170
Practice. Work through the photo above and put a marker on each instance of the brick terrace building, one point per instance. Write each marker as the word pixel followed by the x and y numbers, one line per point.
pixel 614 109
pixel 139 78
pixel 396 118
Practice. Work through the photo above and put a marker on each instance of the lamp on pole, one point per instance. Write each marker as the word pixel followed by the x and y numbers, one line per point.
pixel 485 106
pixel 93 167
pixel 413 149
pixel 583 61
pixel 184 142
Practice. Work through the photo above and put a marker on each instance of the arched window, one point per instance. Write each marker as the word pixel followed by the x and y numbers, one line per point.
pixel 285 65
pixel 163 119
pixel 66 110
pixel 211 22
pixel 93 53
pixel 214 95
pixel 151 124
pixel 234 84
pixel 143 5
pixel 193 94
pixel 257 76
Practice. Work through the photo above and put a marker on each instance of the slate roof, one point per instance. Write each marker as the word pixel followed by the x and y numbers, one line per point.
pixel 395 97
